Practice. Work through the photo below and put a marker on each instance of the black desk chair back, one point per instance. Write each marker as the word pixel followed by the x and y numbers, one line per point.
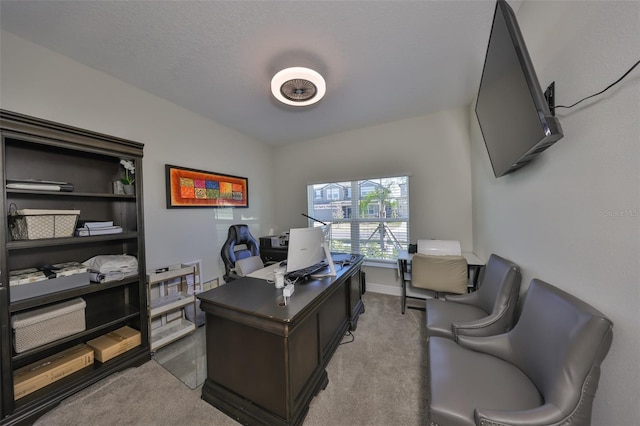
pixel 240 244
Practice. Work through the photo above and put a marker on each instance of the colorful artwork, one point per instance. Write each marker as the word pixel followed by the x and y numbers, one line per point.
pixel 197 188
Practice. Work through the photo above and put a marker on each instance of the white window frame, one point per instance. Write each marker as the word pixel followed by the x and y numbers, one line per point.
pixel 379 238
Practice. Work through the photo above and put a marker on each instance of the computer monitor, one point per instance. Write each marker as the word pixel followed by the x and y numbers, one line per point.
pixel 307 247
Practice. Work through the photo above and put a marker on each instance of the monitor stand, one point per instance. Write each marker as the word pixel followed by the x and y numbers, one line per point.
pixel 332 266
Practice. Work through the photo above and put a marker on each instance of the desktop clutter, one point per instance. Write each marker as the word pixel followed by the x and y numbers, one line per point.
pixel 292 258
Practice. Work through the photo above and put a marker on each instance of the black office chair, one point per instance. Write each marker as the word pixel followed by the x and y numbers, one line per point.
pixel 240 244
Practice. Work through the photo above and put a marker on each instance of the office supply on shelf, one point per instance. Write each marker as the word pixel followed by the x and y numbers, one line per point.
pixel 106 268
pixel 98 277
pixel 39 185
pixel 87 232
pixel 95 224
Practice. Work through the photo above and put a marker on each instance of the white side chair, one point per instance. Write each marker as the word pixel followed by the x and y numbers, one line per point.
pixel 247 265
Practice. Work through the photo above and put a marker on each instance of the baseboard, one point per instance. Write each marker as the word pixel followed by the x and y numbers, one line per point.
pixel 384 289
pixel 397 291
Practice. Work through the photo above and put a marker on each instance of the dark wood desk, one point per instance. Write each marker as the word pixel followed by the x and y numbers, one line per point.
pixel 266 361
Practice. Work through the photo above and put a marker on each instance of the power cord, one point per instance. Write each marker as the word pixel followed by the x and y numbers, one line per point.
pixel 349 333
pixel 602 91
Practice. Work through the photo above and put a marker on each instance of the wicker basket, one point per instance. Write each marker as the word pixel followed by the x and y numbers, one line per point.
pixel 35 224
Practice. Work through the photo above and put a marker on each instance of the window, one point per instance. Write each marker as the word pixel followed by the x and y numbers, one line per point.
pixel 370 217
pixel 333 193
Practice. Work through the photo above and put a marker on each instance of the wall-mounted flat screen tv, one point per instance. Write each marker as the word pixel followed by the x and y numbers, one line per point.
pixel 514 115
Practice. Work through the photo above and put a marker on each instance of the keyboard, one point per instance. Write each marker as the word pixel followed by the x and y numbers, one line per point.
pixel 306 272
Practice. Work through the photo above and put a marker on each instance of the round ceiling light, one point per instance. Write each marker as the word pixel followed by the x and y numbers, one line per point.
pixel 298 86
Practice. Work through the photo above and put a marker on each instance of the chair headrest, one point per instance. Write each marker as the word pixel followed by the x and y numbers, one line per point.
pixel 242 234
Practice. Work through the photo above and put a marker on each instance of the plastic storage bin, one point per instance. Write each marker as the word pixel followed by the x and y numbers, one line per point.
pixel 48 324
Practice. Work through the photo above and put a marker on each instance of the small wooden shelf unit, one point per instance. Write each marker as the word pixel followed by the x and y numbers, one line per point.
pixel 167 303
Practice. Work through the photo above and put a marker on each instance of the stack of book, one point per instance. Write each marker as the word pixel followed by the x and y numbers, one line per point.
pixel 87 228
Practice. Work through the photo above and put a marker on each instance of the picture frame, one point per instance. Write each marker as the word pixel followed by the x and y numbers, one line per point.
pixel 188 187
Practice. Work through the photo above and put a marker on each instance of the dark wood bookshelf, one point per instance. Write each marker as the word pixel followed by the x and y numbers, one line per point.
pixel 43 150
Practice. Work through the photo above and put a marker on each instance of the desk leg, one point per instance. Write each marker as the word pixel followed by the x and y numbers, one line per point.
pixel 404 296
pixel 476 273
pixel 402 267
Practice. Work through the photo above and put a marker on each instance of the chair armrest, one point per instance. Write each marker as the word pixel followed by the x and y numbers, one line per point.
pixel 487 326
pixel 546 414
pixel 498 345
pixel 231 276
pixel 466 298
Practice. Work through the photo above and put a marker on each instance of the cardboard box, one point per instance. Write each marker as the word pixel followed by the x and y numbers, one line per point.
pixel 35 376
pixel 117 342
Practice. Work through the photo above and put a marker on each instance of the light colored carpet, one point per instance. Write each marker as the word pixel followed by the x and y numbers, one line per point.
pixel 378 379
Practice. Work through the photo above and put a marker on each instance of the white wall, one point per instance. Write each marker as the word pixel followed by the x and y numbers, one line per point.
pixel 433 149
pixel 36 81
pixel 572 217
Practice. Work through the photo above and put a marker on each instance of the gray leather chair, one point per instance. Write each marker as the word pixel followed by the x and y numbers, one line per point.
pixel 545 371
pixel 487 311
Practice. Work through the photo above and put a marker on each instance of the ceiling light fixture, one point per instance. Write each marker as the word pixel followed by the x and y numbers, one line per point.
pixel 298 86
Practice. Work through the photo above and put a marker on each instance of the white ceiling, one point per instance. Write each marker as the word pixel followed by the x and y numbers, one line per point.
pixel 382 60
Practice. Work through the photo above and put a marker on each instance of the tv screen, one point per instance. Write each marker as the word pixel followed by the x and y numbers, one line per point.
pixel 513 113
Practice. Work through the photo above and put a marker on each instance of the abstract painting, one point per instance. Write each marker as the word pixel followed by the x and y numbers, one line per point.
pixel 198 188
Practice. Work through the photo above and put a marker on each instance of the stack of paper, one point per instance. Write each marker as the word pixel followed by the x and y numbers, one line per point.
pixel 67 269
pixel 97 228
pixel 39 185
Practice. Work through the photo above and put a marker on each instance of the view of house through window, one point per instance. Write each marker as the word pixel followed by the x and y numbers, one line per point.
pixel 369 216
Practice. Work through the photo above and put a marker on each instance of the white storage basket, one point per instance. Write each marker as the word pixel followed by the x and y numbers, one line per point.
pixel 48 324
pixel 35 224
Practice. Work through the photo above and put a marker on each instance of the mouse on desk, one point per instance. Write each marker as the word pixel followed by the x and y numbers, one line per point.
pixel 283 263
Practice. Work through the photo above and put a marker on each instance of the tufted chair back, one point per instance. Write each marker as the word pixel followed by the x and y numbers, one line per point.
pixel 240 244
pixel 559 342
